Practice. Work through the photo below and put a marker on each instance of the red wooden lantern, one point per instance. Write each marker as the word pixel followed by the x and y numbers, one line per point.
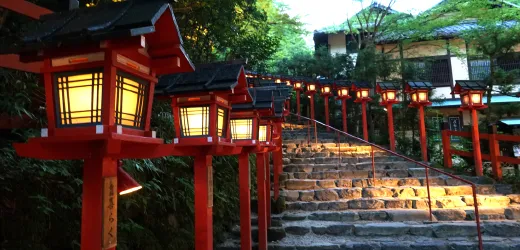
pixel 471 93
pixel 362 96
pixel 289 82
pixel 99 89
pixel 311 88
pixel 342 94
pixel 201 104
pixel 278 79
pixel 326 86
pixel 418 92
pixel 388 92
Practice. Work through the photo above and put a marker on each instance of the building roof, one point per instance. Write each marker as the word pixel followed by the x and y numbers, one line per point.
pixel 455 102
pixel 465 85
pixel 387 86
pixel 343 83
pixel 106 21
pixel 360 85
pixel 511 121
pixel 324 81
pixel 206 78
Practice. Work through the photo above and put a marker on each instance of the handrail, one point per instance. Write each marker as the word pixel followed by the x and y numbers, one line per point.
pixel 426 167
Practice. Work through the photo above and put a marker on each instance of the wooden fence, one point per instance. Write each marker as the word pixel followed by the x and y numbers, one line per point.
pixel 494 156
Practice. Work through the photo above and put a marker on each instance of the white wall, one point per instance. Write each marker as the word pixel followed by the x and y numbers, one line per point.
pixel 338 43
pixel 459 69
pixel 442 92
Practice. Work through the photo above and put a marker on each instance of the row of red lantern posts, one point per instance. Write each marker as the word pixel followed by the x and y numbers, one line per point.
pixel 99 91
pixel 470 91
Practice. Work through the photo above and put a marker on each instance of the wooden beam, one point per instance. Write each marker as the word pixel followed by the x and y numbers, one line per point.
pixel 25 8
pixel 12 61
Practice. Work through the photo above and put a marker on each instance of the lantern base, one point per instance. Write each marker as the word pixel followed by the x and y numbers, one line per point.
pixel 118 146
pixel 471 108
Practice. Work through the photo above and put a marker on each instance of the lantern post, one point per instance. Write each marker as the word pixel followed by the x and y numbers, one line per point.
pixel 298 87
pixel 201 104
pixel 418 92
pixel 99 94
pixel 471 93
pixel 388 92
pixel 342 88
pixel 326 91
pixel 310 90
pixel 362 96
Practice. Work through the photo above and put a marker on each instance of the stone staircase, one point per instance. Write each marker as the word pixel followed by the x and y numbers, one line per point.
pixel 332 201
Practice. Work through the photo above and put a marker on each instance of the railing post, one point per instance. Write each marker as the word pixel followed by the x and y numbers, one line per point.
pixel 477 217
pixel 428 189
pixel 373 167
pixel 446 146
pixel 339 149
pixel 494 152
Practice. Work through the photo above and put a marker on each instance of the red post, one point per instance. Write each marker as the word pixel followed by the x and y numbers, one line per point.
pixel 268 188
pixel 262 204
pixel 245 201
pixel 94 171
pixel 422 134
pixel 298 104
pixel 312 106
pixel 344 113
pixel 494 153
pixel 203 175
pixel 391 134
pixel 446 147
pixel 327 112
pixel 476 143
pixel 364 117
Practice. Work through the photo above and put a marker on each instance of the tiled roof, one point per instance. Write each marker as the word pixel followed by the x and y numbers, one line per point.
pixel 325 81
pixel 343 83
pixel 420 85
pixel 463 85
pixel 262 99
pixel 208 77
pixel 362 85
pixel 388 85
pixel 105 21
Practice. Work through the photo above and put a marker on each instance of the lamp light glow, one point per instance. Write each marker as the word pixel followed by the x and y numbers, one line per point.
pixel 414 97
pixel 125 183
pixel 262 133
pixel 423 96
pixel 476 98
pixel 242 129
pixel 390 96
pixel 195 121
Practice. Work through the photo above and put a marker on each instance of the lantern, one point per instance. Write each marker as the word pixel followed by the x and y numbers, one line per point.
pixel 298 85
pixel 311 88
pixel 471 93
pixel 278 79
pixel 326 90
pixel 265 132
pixel 244 126
pixel 362 91
pixel 419 92
pixel 99 91
pixel 388 92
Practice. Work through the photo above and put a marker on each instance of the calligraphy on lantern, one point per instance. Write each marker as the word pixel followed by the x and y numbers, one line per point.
pixel 110 213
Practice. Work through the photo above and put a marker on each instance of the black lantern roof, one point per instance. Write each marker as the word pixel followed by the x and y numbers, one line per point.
pixel 465 85
pixel 361 85
pixel 279 106
pixel 420 85
pixel 102 22
pixel 279 90
pixel 343 83
pixel 262 99
pixel 324 82
pixel 387 86
pixel 207 77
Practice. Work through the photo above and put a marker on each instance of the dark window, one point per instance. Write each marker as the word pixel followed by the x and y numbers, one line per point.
pixel 434 70
pixel 480 67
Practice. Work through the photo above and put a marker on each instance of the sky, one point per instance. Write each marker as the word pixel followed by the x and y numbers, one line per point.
pixel 323 13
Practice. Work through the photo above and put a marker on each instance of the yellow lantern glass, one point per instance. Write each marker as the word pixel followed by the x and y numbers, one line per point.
pixel 311 87
pixel 344 92
pixel 278 80
pixel 465 100
pixel 414 97
pixel 288 83
pixel 390 96
pixel 130 100
pixel 476 98
pixel 326 90
pixel 384 96
pixel 242 129
pixel 364 93
pixel 221 121
pixel 423 97
pixel 79 98
pixel 262 133
pixel 298 85
pixel 358 94
pixel 194 121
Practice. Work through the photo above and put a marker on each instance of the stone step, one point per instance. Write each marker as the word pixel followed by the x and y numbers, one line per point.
pixel 352 172
pixel 349 160
pixel 399 215
pixel 490 201
pixel 327 190
pixel 344 177
pixel 363 157
pixel 393 236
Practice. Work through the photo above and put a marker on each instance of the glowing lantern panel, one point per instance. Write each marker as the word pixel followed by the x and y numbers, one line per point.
pixel 242 129
pixel 221 120
pixel 194 121
pixel 262 133
pixel 476 98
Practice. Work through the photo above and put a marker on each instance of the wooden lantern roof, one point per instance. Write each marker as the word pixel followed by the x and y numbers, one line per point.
pixel 382 86
pixel 342 84
pixel 412 86
pixel 262 100
pixel 325 82
pixel 467 85
pixel 214 77
pixel 360 85
pixel 78 29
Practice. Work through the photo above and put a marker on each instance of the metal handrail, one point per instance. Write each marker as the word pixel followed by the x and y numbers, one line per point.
pixel 426 167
